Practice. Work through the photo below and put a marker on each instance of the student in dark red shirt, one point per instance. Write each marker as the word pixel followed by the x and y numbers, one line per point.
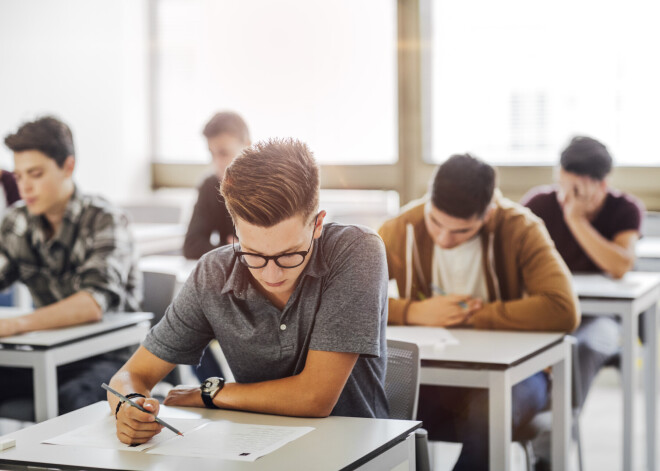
pixel 594 228
pixel 9 194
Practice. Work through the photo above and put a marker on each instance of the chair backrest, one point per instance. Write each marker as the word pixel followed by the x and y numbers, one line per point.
pixel 402 379
pixel 158 293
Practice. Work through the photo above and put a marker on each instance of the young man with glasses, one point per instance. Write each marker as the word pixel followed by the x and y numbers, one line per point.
pixel 299 307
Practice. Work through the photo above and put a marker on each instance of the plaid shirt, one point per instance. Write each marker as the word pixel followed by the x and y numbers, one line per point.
pixel 93 251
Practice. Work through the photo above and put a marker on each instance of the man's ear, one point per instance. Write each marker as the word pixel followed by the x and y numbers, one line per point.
pixel 489 211
pixel 69 165
pixel 319 223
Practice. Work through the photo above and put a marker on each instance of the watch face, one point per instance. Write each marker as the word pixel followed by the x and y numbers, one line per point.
pixel 211 384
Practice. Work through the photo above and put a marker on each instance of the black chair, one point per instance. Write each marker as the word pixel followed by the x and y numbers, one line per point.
pixel 402 390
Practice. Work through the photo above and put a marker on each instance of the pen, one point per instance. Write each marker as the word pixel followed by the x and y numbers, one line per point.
pixel 441 292
pixel 123 398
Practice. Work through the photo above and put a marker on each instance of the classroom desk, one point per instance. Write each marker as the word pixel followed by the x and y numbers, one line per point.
pixel 627 298
pixel 156 238
pixel 647 251
pixel 497 360
pixel 344 443
pixel 45 350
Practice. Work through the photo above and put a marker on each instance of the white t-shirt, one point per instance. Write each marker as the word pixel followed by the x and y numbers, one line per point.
pixel 460 270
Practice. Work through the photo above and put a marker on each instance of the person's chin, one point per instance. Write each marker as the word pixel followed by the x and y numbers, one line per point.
pixel 274 287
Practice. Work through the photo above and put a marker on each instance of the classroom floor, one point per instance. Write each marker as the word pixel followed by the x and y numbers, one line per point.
pixel 601 424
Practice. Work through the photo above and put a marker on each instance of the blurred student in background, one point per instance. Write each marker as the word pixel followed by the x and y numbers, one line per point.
pixel 466 256
pixel 594 228
pixel 73 251
pixel 210 225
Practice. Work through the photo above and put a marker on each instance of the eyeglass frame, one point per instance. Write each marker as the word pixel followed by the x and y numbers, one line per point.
pixel 274 258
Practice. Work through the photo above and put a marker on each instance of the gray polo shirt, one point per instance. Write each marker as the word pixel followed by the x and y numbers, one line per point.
pixel 339 305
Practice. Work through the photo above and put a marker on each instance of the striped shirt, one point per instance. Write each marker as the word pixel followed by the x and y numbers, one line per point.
pixel 93 251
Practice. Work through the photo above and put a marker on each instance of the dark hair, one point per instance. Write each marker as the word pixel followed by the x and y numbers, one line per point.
pixel 463 186
pixel 48 135
pixel 227 122
pixel 588 157
pixel 272 181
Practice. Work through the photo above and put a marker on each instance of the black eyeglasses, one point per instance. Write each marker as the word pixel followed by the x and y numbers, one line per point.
pixel 286 260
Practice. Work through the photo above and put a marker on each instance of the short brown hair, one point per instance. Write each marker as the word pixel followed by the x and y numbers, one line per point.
pixel 463 186
pixel 48 135
pixel 227 122
pixel 272 181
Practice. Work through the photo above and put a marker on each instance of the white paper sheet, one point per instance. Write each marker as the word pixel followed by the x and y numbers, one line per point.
pixel 103 434
pixel 426 338
pixel 230 441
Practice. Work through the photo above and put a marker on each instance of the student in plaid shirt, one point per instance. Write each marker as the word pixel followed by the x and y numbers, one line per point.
pixel 73 251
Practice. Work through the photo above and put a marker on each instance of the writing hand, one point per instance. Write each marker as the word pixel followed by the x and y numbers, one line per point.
pixel 135 426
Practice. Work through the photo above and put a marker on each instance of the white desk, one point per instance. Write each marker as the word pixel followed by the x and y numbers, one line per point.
pixel 635 293
pixel 497 360
pixel 45 350
pixel 336 443
pixel 155 238
pixel 647 251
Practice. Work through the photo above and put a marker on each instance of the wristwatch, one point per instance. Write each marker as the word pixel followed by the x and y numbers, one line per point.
pixel 210 387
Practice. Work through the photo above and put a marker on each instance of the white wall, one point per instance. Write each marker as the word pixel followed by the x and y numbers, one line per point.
pixel 84 61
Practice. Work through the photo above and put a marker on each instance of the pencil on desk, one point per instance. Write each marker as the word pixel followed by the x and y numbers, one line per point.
pixel 123 398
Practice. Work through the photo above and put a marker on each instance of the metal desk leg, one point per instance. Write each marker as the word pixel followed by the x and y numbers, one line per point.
pixel 44 375
pixel 651 384
pixel 499 419
pixel 629 324
pixel 561 410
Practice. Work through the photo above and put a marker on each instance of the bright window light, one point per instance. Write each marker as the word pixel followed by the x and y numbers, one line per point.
pixel 514 80
pixel 323 72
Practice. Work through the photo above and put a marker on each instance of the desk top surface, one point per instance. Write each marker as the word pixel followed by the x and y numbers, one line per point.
pixel 633 285
pixel 648 247
pixel 336 443
pixel 489 349
pixel 55 337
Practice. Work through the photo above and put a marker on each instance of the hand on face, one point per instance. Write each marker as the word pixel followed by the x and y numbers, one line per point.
pixel 187 396
pixel 581 198
pixel 135 426
pixel 445 311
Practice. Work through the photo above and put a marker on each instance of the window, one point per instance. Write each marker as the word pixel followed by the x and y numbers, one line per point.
pixel 323 72
pixel 513 81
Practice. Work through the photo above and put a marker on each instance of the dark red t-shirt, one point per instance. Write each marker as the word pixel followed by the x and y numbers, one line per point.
pixel 8 184
pixel 621 212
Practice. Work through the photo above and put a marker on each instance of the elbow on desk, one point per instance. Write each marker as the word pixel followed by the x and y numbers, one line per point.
pixel 317 404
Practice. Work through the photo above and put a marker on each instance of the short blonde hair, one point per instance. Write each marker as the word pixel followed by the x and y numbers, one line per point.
pixel 272 181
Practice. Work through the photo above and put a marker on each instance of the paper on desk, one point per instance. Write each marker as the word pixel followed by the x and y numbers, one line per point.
pixel 103 434
pixel 426 338
pixel 230 441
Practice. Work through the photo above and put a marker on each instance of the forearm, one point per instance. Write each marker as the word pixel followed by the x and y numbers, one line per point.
pixel 289 396
pixel 540 312
pixel 607 255
pixel 79 308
